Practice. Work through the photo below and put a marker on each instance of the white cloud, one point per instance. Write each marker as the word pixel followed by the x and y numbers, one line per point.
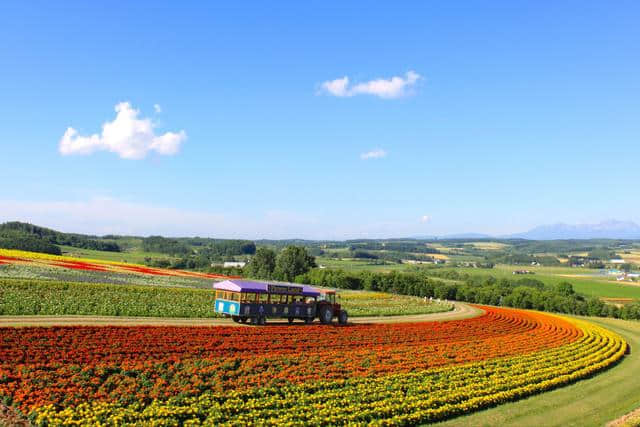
pixel 127 135
pixel 157 108
pixel 425 218
pixel 378 153
pixel 395 87
pixel 337 87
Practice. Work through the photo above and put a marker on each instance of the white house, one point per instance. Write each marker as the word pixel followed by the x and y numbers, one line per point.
pixel 237 264
pixel 617 261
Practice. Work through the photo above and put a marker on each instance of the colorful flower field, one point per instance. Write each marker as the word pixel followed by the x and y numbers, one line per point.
pixel 380 374
pixel 16 257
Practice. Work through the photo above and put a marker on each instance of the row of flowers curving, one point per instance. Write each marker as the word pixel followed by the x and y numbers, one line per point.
pixel 385 374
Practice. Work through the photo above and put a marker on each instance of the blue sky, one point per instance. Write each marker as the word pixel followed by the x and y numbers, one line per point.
pixel 524 113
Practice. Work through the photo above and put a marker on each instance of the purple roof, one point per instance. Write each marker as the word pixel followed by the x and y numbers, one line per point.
pixel 261 287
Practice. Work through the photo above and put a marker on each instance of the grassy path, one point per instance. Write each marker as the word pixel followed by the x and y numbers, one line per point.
pixel 591 402
pixel 461 311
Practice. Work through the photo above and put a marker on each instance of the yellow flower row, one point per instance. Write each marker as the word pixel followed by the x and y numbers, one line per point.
pixel 401 399
pixel 49 260
pixel 49 257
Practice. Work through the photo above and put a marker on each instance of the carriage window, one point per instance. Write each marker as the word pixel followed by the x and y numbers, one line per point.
pixel 249 297
pixel 264 298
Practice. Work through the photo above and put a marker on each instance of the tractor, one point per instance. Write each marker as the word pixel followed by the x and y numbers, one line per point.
pixel 328 308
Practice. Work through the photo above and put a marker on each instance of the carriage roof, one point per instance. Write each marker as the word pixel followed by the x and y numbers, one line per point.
pixel 265 287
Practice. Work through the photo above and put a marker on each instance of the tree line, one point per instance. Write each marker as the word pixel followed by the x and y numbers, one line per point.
pixel 206 252
pixel 11 239
pixel 29 237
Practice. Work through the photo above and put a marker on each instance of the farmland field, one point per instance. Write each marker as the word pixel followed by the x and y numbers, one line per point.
pixel 132 256
pixel 583 280
pixel 393 373
pixel 33 259
pixel 357 265
pixel 168 372
pixel 42 297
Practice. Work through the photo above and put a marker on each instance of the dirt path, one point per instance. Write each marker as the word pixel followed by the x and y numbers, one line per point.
pixel 628 420
pixel 461 311
pixel 10 417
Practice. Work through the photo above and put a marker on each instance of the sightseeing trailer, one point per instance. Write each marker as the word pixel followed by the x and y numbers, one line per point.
pixel 253 301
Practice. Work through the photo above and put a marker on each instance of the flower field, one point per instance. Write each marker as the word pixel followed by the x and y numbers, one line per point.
pixel 381 374
pixel 15 257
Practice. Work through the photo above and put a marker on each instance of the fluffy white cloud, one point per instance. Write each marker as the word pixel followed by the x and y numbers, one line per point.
pixel 425 218
pixel 395 87
pixel 127 135
pixel 378 153
pixel 337 87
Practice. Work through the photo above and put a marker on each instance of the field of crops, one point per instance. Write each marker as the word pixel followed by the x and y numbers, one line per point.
pixel 59 274
pixel 584 281
pixel 391 374
pixel 22 258
pixel 46 297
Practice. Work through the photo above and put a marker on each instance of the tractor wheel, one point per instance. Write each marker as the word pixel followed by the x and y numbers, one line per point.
pixel 244 319
pixel 262 320
pixel 290 319
pixel 308 320
pixel 326 315
pixel 254 321
pixel 236 319
pixel 343 317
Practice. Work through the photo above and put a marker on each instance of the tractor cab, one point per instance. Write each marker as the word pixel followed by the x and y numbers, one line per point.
pixel 327 295
pixel 328 308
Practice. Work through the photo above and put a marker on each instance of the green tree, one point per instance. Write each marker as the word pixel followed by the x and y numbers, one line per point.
pixel 565 288
pixel 293 261
pixel 262 264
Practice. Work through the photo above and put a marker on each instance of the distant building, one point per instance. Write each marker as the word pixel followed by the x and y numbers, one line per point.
pixel 419 261
pixel 523 272
pixel 236 264
pixel 617 261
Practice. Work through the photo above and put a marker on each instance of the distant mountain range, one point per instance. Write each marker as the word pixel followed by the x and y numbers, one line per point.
pixel 611 229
